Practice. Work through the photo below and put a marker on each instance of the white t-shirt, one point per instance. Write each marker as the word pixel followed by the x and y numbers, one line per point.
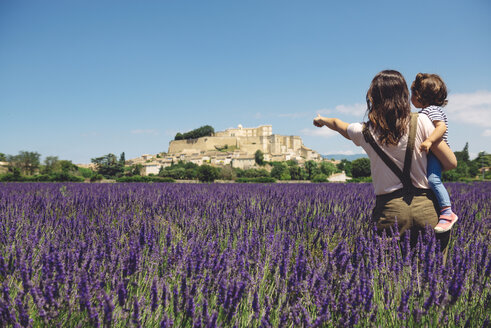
pixel 384 180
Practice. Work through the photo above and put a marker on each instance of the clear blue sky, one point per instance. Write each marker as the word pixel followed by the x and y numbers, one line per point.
pixel 81 79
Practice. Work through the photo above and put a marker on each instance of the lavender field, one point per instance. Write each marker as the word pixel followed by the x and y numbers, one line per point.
pixel 195 255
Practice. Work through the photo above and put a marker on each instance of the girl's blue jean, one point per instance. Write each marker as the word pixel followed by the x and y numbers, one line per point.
pixel 435 180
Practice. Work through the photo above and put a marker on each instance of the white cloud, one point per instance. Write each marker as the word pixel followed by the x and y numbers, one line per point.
pixel 357 110
pixel 145 131
pixel 472 108
pixel 354 110
pixel 258 115
pixel 486 133
pixel 319 132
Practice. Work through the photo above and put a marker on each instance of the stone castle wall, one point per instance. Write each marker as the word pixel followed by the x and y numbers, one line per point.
pixel 247 141
pixel 200 144
pixel 261 131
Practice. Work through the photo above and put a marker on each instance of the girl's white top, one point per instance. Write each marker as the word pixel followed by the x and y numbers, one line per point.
pixel 384 180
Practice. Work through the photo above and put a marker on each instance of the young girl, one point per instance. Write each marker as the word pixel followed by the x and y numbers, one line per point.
pixel 428 92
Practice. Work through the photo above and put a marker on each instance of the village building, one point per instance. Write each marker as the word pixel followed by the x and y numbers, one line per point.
pixel 235 147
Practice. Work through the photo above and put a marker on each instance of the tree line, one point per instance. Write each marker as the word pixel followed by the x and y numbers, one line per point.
pixel 203 131
pixel 26 166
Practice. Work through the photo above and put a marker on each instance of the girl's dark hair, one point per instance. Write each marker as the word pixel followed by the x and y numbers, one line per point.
pixel 429 89
pixel 388 106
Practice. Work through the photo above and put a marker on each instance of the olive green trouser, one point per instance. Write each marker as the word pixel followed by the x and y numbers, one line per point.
pixel 412 212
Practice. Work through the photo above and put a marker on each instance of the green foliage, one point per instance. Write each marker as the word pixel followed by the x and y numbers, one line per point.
pixel 345 166
pixel 360 168
pixel 256 180
pixel 251 173
pixel 27 162
pixel 3 157
pixel 297 173
pixel 96 177
pixel 108 166
pixel 138 178
pixel 9 177
pixel 51 164
pixel 64 177
pixel 466 168
pixel 68 167
pixel 311 169
pixel 328 168
pixel 227 173
pixel 361 179
pixel 291 162
pixel 85 172
pixel 259 157
pixel 180 171
pixel 53 177
pixel 122 159
pixel 207 173
pixel 319 178
pixel 226 148
pixel 202 131
pixel 463 155
pixel 280 171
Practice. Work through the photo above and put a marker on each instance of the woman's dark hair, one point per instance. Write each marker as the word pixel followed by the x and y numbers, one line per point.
pixel 388 106
pixel 429 89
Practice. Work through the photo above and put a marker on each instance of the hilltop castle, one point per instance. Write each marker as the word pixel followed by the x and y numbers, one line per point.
pixel 235 147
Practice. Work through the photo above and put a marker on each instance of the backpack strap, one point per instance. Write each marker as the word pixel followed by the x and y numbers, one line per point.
pixel 413 125
pixel 403 175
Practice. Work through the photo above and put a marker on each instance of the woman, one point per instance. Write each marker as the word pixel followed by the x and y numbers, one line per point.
pixel 392 139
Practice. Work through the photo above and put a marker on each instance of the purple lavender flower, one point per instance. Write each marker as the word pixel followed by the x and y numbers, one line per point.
pixel 154 295
pixel 136 313
pixel 122 294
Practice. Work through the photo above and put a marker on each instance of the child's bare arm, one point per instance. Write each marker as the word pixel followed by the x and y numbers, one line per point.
pixel 436 135
pixel 333 124
pixel 445 155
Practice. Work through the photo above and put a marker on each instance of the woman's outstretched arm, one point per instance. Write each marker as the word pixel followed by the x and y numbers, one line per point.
pixel 446 156
pixel 333 124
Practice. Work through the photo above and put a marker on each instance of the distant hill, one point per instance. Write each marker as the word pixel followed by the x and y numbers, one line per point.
pixel 341 156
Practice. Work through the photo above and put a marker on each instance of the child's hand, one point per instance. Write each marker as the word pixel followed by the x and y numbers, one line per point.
pixel 425 145
pixel 318 122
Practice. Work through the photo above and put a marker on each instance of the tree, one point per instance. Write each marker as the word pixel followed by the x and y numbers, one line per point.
pixel 202 131
pixel 311 169
pixel 280 171
pixel 227 173
pixel 259 157
pixel 463 155
pixel 321 177
pixel 108 165
pixel 345 166
pixel 137 169
pixel 3 157
pixel 297 172
pixel 122 159
pixel 51 164
pixel 466 168
pixel 328 168
pixel 360 168
pixel 27 162
pixel 207 173
pixel 67 166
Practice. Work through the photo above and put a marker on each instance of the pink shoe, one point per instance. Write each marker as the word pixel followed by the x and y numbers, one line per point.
pixel 446 223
